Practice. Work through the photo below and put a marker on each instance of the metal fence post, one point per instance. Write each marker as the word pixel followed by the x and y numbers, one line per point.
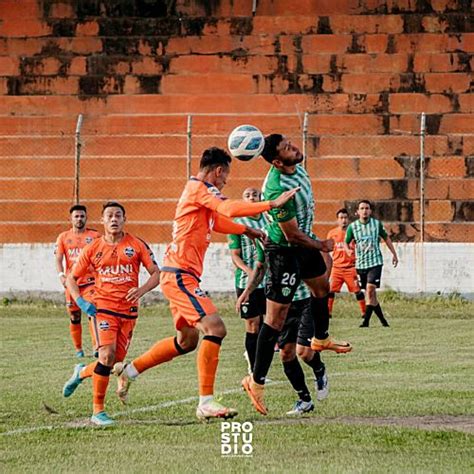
pixel 78 146
pixel 189 150
pixel 422 284
pixel 305 138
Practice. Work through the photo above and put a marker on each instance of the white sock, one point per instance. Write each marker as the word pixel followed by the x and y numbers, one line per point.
pixel 131 371
pixel 203 399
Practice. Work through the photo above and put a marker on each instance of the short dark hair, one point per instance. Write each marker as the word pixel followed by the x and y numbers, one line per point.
pixel 113 204
pixel 342 211
pixel 214 157
pixel 78 207
pixel 364 201
pixel 272 141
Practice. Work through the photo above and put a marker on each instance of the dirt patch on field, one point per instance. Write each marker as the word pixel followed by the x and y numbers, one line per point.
pixel 463 424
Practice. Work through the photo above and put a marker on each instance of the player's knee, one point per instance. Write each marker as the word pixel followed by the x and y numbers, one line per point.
pixel 186 345
pixel 252 325
pixel 287 353
pixel 304 353
pixel 107 357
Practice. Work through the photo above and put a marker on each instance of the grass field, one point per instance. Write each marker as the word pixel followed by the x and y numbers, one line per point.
pixel 402 401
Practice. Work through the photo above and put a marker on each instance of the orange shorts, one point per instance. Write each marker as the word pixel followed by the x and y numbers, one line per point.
pixel 114 330
pixel 339 276
pixel 87 292
pixel 188 303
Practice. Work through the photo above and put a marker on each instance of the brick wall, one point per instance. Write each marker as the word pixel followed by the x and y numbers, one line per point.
pixel 365 69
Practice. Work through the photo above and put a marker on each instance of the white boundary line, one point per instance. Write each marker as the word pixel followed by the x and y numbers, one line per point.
pixel 82 423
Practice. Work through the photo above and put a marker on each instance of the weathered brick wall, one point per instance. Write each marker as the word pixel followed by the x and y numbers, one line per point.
pixel 367 68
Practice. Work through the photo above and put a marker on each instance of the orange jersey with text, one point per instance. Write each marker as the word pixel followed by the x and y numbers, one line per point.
pixel 340 259
pixel 70 245
pixel 116 267
pixel 192 226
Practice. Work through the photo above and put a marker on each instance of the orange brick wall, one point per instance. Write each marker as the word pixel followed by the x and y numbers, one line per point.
pixel 363 69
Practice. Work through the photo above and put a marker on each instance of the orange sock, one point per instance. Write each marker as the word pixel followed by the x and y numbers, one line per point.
pixel 162 351
pixel 363 306
pixel 88 370
pixel 100 384
pixel 75 328
pixel 92 333
pixel 207 360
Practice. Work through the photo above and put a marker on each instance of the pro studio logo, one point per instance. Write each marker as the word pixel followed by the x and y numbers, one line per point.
pixel 236 439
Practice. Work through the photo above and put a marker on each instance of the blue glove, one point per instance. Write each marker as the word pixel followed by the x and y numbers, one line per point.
pixel 86 306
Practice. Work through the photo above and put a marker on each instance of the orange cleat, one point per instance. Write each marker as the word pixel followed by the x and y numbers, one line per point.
pixel 329 344
pixel 255 392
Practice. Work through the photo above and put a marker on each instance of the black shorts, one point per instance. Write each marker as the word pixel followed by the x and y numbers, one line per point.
pixel 287 266
pixel 255 306
pixel 371 275
pixel 298 326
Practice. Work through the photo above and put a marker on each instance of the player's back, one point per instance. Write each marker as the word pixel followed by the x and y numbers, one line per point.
pixel 340 258
pixel 192 228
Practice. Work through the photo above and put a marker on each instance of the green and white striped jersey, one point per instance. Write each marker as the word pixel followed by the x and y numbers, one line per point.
pixel 367 240
pixel 301 207
pixel 248 252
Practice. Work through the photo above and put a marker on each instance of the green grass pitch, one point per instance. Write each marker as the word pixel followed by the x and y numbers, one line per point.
pixel 402 401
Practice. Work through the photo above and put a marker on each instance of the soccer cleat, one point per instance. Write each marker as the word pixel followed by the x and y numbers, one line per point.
pixel 365 324
pixel 102 419
pixel 123 382
pixel 329 344
pixel 322 386
pixel 74 382
pixel 300 408
pixel 255 393
pixel 214 409
pixel 80 354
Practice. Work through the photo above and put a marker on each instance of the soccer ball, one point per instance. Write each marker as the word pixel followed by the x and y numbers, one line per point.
pixel 245 142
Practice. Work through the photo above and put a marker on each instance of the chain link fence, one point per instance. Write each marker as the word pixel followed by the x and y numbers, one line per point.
pixel 420 184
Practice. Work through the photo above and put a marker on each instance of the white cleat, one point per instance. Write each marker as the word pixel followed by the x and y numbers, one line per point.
pixel 214 409
pixel 301 407
pixel 123 381
pixel 322 387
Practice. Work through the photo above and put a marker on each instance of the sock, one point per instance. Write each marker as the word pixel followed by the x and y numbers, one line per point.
pixel 361 300
pixel 131 371
pixel 88 370
pixel 320 312
pixel 368 314
pixel 331 296
pixel 265 350
pixel 92 333
pixel 295 375
pixel 75 329
pixel 378 311
pixel 203 399
pixel 100 382
pixel 207 360
pixel 316 364
pixel 162 351
pixel 251 347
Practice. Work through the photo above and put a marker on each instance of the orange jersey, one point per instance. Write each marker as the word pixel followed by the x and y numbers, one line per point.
pixel 116 268
pixel 70 245
pixel 340 258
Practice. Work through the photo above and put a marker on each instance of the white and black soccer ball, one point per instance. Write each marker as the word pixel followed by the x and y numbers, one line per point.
pixel 246 142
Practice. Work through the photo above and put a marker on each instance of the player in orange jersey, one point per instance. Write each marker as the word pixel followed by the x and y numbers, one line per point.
pixel 343 267
pixel 115 259
pixel 68 246
pixel 201 209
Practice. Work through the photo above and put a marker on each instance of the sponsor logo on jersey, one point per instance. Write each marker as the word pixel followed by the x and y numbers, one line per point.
pixel 89 240
pixel 129 252
pixel 104 325
pixel 281 213
pixel 73 252
pixel 115 269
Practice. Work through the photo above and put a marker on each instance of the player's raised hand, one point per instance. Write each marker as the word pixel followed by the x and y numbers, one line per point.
pixel 254 233
pixel 284 198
